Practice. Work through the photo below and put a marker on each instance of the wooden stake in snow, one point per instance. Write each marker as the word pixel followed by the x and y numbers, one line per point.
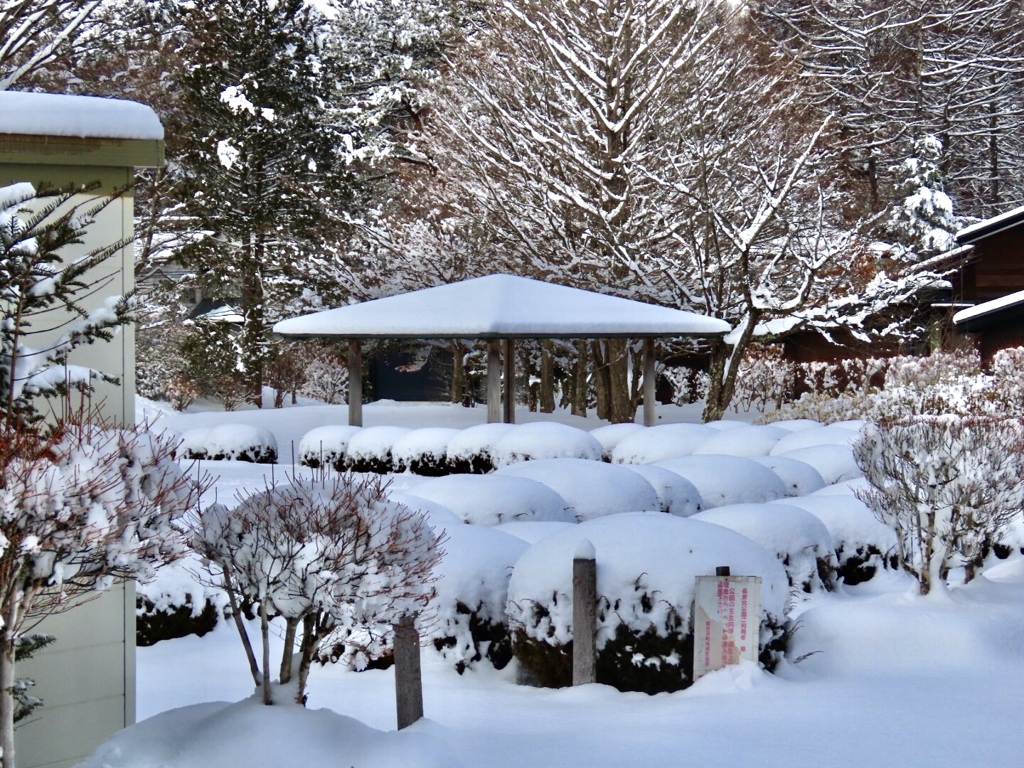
pixel 408 676
pixel 584 614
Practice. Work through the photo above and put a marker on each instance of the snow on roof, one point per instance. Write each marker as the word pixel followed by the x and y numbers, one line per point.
pixel 501 306
pixel 989 307
pixel 50 114
pixel 990 226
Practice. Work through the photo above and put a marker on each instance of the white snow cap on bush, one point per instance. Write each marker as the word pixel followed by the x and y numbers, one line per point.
pixel 794 535
pixel 531 531
pixel 545 440
pixel 664 441
pixel 493 499
pixel 723 425
pixel 795 425
pixel 852 525
pixel 438 516
pixel 638 555
pixel 611 435
pixel 799 477
pixel 834 463
pixel 230 441
pixel 808 438
pixel 676 494
pixel 374 443
pixel 477 441
pixel 727 479
pixel 591 488
pixel 427 444
pixel 474 571
pixel 747 440
pixel 325 445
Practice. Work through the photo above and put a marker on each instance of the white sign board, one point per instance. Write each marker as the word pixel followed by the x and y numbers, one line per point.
pixel 727 619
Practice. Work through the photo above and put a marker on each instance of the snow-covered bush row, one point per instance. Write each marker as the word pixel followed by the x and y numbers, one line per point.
pixel 676 494
pixel 862 544
pixel 799 477
pixel 647 566
pixel 369 449
pixel 175 604
pixel 238 442
pixel 750 440
pixel 796 537
pixel 466 619
pixel 591 488
pixel 727 479
pixel 423 451
pixel 493 499
pixel 472 450
pixel 611 435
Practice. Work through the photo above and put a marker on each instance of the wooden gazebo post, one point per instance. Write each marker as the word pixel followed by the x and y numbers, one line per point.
pixel 650 416
pixel 355 383
pixel 509 401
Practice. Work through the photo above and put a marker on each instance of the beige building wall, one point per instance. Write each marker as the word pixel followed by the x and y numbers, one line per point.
pixel 87 677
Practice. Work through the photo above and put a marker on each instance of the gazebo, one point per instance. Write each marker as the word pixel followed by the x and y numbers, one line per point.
pixel 499 309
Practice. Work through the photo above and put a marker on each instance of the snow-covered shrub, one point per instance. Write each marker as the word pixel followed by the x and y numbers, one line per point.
pixel 948 486
pixel 326 446
pixel 834 463
pixel 472 450
pixel 591 488
pixel 369 449
pixel 468 621
pixel 676 494
pixel 811 438
pixel 175 604
pixel 799 477
pixel 326 371
pixel 688 385
pixel 665 441
pixel 862 544
pixel 796 537
pixel 493 499
pixel 724 480
pixel 332 558
pixel 230 442
pixel 753 440
pixel 647 564
pixel 765 378
pixel 545 440
pixel 611 435
pixel 423 451
pixel 530 531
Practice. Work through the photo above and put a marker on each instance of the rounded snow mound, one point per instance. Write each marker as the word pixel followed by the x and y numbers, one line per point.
pixel 466 621
pixel 747 440
pixel 530 531
pixel 795 425
pixel 799 477
pixel 545 440
pixel 612 434
pixel 591 488
pixel 369 449
pixel 676 494
pixel 835 463
pixel 438 516
pixel 815 436
pixel 796 537
pixel 472 450
pixel 237 442
pixel 423 451
pixel 727 479
pixel 664 441
pixel 325 446
pixel 496 498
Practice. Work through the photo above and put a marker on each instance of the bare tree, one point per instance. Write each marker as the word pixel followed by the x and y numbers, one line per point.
pixel 33 33
pixel 328 556
pixel 947 485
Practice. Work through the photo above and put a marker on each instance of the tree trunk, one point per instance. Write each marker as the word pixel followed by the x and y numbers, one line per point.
pixel 7 698
pixel 253 341
pixel 579 386
pixel 547 378
pixel 265 637
pixel 602 378
pixel 458 393
pixel 287 654
pixel 623 408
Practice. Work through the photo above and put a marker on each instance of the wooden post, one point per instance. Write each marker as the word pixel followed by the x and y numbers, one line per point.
pixel 584 615
pixel 510 381
pixel 408 676
pixel 650 416
pixel 723 570
pixel 355 383
pixel 493 382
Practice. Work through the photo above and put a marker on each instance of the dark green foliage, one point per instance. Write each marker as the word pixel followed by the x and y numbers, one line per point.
pixel 862 564
pixel 24 648
pixel 490 639
pixel 152 626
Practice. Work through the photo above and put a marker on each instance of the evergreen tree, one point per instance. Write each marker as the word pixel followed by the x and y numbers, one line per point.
pixel 261 181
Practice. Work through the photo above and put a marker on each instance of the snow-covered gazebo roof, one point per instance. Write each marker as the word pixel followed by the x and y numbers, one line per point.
pixel 501 307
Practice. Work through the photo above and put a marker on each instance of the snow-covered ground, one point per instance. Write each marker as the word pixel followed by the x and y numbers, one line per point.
pixel 875 676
